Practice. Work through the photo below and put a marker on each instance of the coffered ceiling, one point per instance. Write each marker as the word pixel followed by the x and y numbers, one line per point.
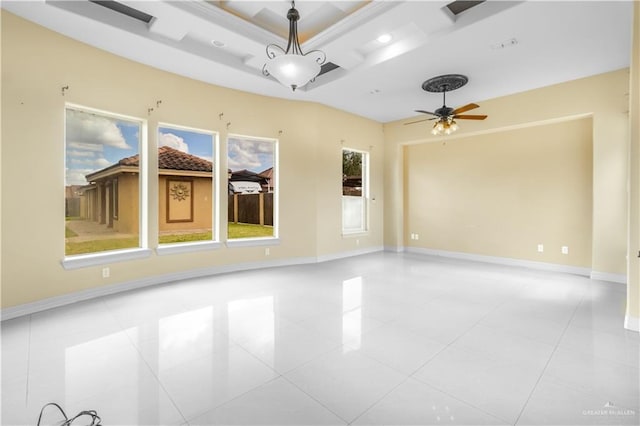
pixel 504 47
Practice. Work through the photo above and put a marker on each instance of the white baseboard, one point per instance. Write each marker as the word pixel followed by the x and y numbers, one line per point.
pixel 394 249
pixel 553 267
pixel 607 276
pixel 79 296
pixel 632 323
pixel 351 253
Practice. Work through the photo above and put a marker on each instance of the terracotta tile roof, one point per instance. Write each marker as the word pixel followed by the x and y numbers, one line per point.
pixel 267 173
pixel 172 159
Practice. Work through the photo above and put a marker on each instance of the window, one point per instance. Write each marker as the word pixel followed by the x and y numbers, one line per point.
pixel 355 190
pixel 186 183
pixel 252 187
pixel 102 181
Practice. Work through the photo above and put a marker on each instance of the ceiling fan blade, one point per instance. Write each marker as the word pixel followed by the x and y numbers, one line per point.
pixel 467 107
pixel 419 121
pixel 427 112
pixel 470 117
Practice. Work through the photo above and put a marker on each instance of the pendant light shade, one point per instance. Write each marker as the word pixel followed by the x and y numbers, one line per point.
pixel 291 67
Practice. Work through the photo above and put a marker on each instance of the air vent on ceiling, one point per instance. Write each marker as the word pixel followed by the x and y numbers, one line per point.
pixel 327 67
pixel 459 6
pixel 124 9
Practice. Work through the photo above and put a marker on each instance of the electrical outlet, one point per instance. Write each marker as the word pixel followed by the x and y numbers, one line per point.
pixel 267 252
pixel 565 249
pixel 417 236
pixel 357 242
pixel 540 248
pixel 106 272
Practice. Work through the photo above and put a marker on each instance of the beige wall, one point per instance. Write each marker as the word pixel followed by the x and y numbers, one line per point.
pixel 502 194
pixel 602 97
pixel 37 63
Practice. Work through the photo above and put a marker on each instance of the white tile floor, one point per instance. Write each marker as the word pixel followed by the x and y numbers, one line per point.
pixel 377 339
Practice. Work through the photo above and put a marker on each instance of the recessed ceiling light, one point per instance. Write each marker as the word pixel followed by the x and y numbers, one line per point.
pixel 384 38
pixel 217 43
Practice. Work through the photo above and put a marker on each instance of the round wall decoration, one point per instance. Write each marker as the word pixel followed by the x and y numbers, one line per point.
pixel 179 192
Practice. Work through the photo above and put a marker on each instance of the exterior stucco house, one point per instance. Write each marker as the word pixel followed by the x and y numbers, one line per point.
pixel 185 193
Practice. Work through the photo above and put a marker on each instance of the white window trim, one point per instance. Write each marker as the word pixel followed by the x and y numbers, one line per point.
pixel 188 247
pixel 253 242
pixel 365 196
pixel 353 234
pixel 171 248
pixel 102 258
pixel 77 261
pixel 261 241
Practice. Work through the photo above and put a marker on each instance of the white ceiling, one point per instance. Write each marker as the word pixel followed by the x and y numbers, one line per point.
pixel 556 41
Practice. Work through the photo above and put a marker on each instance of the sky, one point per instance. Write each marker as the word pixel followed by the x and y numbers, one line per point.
pixel 191 142
pixel 254 155
pixel 94 142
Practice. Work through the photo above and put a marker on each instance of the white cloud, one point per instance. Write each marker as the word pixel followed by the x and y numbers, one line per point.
pixel 173 141
pixel 245 154
pixel 78 153
pixel 85 146
pixel 80 161
pixel 85 128
pixel 97 163
pixel 102 163
pixel 77 176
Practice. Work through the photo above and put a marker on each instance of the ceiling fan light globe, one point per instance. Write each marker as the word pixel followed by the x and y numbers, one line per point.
pixel 293 70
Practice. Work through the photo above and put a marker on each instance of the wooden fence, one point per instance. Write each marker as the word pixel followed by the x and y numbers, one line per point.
pixel 256 209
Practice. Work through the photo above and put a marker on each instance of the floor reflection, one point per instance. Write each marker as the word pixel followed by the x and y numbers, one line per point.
pixel 352 314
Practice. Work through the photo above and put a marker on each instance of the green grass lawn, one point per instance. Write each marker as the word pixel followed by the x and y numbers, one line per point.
pixel 185 238
pixel 236 230
pixel 243 230
pixel 68 233
pixel 84 247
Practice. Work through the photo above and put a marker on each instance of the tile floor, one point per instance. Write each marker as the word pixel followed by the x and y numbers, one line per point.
pixel 378 339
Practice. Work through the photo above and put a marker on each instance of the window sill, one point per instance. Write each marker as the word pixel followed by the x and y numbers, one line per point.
pixel 355 234
pixel 166 249
pixel 94 259
pixel 253 242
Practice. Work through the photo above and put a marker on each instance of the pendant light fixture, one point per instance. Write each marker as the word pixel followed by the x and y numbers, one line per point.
pixel 291 67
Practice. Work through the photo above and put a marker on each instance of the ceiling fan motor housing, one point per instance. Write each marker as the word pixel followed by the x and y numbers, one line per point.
pixel 444 111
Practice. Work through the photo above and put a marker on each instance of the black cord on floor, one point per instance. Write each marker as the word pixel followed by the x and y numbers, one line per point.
pixel 95 419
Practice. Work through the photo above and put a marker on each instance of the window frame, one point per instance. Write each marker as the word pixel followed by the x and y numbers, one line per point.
pixel 365 194
pixel 258 241
pixel 77 261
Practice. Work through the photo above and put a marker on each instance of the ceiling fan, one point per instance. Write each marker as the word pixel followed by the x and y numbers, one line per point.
pixel 445 115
